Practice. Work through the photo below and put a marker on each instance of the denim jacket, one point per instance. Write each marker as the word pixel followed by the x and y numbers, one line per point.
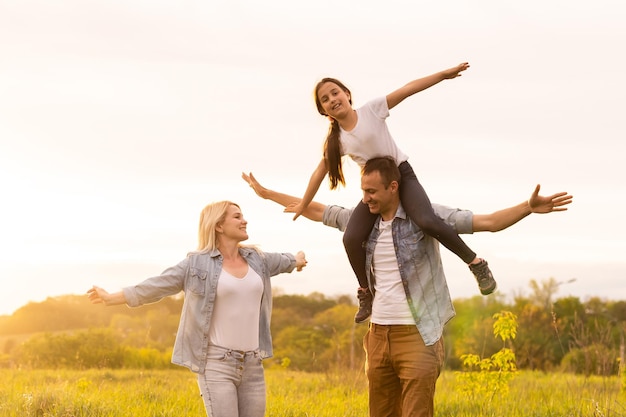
pixel 419 263
pixel 197 277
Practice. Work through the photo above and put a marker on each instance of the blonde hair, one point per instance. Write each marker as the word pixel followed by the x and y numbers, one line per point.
pixel 210 217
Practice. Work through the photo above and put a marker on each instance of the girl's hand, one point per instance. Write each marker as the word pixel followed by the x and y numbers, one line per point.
pixel 300 261
pixel 296 208
pixel 455 71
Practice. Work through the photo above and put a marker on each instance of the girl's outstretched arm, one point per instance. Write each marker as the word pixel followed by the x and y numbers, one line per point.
pixel 314 185
pixel 415 86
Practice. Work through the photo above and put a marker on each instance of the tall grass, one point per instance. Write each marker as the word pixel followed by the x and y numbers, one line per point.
pixel 96 393
pixel 295 394
pixel 102 393
pixel 536 394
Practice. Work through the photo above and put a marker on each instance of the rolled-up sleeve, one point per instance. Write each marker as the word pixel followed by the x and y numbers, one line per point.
pixel 279 263
pixel 460 220
pixel 337 217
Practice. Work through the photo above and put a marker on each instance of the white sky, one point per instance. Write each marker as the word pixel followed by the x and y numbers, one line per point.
pixel 120 120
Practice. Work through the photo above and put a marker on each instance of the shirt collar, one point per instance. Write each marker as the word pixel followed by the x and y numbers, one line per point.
pixel 400 213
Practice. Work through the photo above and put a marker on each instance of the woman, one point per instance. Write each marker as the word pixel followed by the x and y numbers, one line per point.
pixel 224 329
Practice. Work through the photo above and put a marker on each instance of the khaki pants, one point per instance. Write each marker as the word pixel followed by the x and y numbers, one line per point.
pixel 401 371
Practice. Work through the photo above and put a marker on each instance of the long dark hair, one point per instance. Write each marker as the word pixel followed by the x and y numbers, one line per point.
pixel 332 145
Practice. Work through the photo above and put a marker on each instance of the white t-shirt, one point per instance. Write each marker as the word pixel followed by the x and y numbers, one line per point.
pixel 370 138
pixel 235 320
pixel 390 304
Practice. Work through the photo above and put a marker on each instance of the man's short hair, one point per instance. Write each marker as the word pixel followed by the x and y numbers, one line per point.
pixel 387 168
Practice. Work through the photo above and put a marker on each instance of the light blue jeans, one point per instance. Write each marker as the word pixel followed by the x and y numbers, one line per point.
pixel 233 383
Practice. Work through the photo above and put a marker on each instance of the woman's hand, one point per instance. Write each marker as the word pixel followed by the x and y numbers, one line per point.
pixel 98 295
pixel 300 261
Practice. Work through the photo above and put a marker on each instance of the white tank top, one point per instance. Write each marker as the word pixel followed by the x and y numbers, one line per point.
pixel 235 320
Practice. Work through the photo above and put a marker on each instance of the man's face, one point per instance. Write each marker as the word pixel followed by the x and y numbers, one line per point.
pixel 380 200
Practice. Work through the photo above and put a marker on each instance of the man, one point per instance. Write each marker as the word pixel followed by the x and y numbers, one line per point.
pixel 404 346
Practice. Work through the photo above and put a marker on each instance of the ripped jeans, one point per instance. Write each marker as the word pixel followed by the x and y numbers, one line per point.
pixel 233 383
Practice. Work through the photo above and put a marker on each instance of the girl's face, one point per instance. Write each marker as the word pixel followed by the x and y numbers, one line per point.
pixel 334 100
pixel 234 225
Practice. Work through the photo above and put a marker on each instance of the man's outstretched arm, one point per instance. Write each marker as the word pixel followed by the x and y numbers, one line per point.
pixel 502 219
pixel 314 210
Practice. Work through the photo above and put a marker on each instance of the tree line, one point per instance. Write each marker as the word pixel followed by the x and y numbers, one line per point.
pixel 316 333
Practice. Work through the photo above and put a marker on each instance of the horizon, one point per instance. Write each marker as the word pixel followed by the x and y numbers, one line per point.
pixel 278 292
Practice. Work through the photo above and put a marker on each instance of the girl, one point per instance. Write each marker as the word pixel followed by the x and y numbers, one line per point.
pixel 224 331
pixel 363 134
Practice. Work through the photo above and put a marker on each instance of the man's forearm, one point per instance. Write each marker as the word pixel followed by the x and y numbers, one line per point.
pixel 501 219
pixel 314 210
pixel 280 198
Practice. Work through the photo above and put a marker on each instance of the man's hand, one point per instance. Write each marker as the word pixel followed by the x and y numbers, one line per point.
pixel 555 202
pixel 254 184
pixel 291 207
pixel 314 211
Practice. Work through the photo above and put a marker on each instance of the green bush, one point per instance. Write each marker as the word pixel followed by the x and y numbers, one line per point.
pixel 595 359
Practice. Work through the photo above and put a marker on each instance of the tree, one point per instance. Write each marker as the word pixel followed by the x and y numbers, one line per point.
pixel 471 329
pixel 346 337
pixel 92 349
pixel 486 376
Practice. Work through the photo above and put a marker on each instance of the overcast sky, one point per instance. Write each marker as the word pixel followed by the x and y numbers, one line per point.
pixel 121 120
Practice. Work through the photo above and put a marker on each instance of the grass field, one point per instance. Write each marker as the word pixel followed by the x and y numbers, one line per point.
pixel 104 393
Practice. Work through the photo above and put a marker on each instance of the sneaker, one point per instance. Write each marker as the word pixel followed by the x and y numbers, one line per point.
pixel 483 275
pixel 365 305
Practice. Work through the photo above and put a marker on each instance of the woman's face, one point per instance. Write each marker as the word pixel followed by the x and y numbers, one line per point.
pixel 334 100
pixel 234 225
